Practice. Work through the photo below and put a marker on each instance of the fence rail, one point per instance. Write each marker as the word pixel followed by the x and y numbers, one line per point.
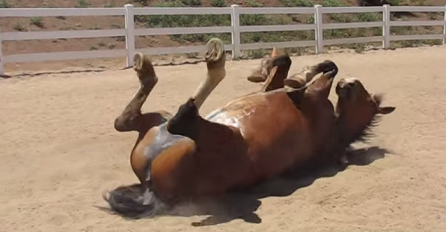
pixel 129 12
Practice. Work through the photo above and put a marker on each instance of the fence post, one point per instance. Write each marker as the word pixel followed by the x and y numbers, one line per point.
pixel 129 33
pixel 386 27
pixel 444 27
pixel 235 23
pixel 319 30
pixel 2 70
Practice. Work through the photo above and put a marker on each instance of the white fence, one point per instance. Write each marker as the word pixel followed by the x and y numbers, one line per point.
pixel 129 12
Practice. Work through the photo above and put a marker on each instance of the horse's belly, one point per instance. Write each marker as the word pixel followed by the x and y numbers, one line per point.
pixel 279 153
pixel 277 133
pixel 273 136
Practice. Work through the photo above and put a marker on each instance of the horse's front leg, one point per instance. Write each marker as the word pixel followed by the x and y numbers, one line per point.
pixel 299 80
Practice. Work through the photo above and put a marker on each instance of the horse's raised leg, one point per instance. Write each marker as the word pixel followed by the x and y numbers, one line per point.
pixel 261 73
pixel 216 71
pixel 277 75
pixel 131 119
pixel 187 119
pixel 307 74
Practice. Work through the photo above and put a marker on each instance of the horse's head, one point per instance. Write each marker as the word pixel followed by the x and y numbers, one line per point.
pixel 357 109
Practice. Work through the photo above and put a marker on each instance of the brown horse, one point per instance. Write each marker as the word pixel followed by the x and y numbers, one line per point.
pixel 237 146
pixel 163 157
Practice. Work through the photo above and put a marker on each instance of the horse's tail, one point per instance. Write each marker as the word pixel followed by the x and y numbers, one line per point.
pixel 134 201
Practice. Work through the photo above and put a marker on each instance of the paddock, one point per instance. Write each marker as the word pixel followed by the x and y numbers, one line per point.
pixel 59 150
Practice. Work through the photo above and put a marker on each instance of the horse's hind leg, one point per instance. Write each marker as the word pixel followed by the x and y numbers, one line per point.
pixel 216 70
pixel 131 119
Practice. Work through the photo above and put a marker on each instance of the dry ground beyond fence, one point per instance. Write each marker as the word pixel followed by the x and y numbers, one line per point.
pixel 59 150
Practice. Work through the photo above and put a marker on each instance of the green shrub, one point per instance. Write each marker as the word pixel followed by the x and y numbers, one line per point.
pixel 5 4
pixel 36 21
pixel 218 3
pixel 82 4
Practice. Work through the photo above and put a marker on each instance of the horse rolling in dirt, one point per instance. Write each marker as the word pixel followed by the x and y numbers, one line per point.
pixel 235 147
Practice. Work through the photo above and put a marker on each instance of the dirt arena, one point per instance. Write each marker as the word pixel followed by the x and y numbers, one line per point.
pixel 59 150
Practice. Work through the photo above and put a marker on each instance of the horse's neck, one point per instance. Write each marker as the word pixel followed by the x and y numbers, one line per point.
pixel 326 132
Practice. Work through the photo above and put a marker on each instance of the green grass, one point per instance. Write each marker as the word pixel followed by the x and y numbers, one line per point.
pixel 37 21
pixel 164 21
pixel 5 4
pixel 298 3
pixel 82 4
pixel 19 27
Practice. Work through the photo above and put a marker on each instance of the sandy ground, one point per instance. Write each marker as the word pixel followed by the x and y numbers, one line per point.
pixel 59 150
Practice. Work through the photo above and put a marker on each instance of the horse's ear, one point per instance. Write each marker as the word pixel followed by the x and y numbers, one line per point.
pixel 274 53
pixel 386 110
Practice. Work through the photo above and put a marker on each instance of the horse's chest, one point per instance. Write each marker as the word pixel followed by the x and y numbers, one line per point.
pixel 321 117
pixel 323 125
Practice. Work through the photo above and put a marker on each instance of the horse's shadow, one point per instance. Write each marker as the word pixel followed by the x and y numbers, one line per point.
pixel 242 205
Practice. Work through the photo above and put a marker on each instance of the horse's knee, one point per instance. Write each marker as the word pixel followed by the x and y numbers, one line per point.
pixel 122 125
pixel 119 126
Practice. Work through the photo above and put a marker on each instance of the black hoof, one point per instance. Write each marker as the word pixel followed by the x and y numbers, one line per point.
pixel 327 66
